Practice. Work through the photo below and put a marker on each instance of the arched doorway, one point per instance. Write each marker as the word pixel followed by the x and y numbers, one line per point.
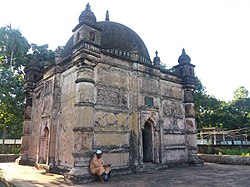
pixel 147 142
pixel 44 146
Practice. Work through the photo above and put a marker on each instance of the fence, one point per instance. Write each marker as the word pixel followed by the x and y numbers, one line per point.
pixel 214 136
pixel 10 146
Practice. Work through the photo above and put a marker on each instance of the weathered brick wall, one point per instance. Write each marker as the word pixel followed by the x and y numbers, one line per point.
pixel 174 129
pixel 112 119
pixel 64 146
pixel 37 103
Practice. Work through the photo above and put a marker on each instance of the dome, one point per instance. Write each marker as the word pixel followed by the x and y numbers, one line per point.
pixel 87 15
pixel 68 48
pixel 117 36
pixel 114 36
pixel 184 58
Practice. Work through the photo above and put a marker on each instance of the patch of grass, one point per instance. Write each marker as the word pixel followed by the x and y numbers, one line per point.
pixel 236 152
pixel 15 150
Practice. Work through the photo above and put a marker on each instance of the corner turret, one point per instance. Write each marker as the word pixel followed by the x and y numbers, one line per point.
pixel 86 39
pixel 157 60
pixel 33 73
pixel 186 71
pixel 87 15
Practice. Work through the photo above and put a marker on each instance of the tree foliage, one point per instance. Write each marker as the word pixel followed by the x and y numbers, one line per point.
pixel 13 48
pixel 240 106
pixel 240 93
pixel 206 107
pixel 14 58
pixel 211 112
pixel 13 52
pixel 42 55
pixel 11 102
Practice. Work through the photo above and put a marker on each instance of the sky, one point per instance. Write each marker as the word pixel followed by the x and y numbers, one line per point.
pixel 214 33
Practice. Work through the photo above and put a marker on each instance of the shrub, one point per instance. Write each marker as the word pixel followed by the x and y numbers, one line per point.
pixel 236 152
pixel 15 150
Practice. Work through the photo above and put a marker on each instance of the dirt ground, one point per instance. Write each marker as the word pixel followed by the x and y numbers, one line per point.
pixel 206 176
pixel 209 175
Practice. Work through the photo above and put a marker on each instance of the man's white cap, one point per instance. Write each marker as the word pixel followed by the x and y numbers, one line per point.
pixel 98 152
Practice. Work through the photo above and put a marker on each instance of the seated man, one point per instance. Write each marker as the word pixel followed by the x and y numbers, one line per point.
pixel 98 167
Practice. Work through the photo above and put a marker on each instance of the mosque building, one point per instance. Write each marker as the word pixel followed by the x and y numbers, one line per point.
pixel 104 92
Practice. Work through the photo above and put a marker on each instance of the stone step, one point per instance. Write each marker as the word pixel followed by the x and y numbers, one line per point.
pixel 152 166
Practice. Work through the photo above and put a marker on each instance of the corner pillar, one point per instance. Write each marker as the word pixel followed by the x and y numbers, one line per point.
pixel 191 128
pixel 24 158
pixel 54 118
pixel 83 130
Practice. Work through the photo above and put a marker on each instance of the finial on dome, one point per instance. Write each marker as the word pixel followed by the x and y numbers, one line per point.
pixel 183 51
pixel 87 7
pixel 107 16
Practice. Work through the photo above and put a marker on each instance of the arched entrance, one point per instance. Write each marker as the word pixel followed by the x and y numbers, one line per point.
pixel 44 146
pixel 147 142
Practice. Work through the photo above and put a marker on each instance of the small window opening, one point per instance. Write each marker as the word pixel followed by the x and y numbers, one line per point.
pixel 92 36
pixel 149 101
pixel 190 71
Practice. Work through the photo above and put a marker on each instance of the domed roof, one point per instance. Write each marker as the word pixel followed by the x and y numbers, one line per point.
pixel 117 36
pixel 87 15
pixel 114 36
pixel 68 48
pixel 184 58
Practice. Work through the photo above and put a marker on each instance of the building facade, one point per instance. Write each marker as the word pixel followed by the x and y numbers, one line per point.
pixel 105 93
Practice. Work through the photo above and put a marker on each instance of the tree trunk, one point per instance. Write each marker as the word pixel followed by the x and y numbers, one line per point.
pixel 11 59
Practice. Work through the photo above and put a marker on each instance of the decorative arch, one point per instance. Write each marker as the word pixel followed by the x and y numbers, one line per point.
pixel 148 140
pixel 44 146
pixel 77 36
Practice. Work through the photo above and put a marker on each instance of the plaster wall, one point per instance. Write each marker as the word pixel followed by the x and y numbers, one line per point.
pixel 111 118
pixel 174 139
pixel 42 100
pixel 65 138
pixel 175 155
pixel 117 159
pixel 171 90
pixel 36 117
pixel 35 127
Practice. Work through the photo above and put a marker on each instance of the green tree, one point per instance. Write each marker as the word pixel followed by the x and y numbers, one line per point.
pixel 211 112
pixel 14 58
pixel 206 108
pixel 13 48
pixel 11 103
pixel 13 52
pixel 42 55
pixel 240 108
pixel 240 93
